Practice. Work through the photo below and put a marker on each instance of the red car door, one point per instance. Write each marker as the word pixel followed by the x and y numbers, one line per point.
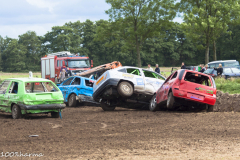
pixel 162 95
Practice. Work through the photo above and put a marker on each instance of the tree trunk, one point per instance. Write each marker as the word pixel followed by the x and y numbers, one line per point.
pixel 214 51
pixel 138 53
pixel 207 51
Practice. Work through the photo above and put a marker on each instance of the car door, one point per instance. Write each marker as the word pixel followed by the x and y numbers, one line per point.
pixel 4 97
pixel 64 88
pixel 75 86
pixel 236 72
pixel 152 81
pixel 87 87
pixel 161 95
pixel 134 75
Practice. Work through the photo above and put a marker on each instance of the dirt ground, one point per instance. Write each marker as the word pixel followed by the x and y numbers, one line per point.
pixel 91 133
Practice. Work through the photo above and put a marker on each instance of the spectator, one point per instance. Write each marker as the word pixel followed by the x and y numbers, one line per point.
pixel 149 68
pixel 202 68
pixel 206 66
pixel 219 70
pixel 68 73
pixel 62 75
pixel 183 66
pixel 157 69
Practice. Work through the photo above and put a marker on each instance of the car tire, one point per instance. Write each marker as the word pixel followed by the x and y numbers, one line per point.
pixel 170 101
pixel 210 108
pixel 125 89
pixel 16 112
pixel 55 114
pixel 153 106
pixel 72 100
pixel 107 107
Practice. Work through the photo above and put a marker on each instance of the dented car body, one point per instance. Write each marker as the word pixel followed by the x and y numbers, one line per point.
pixel 187 88
pixel 21 96
pixel 123 85
pixel 77 89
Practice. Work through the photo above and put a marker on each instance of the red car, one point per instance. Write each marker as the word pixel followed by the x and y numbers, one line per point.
pixel 185 88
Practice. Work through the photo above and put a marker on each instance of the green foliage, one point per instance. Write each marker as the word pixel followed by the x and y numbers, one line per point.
pixel 136 21
pixel 232 86
pixel 205 20
pixel 15 54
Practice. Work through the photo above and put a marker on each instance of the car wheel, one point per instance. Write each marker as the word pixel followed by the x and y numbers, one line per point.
pixel 72 100
pixel 170 101
pixel 106 106
pixel 125 89
pixel 16 112
pixel 210 108
pixel 55 114
pixel 153 104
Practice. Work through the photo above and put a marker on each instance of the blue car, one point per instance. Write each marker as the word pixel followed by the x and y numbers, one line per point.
pixel 227 72
pixel 77 89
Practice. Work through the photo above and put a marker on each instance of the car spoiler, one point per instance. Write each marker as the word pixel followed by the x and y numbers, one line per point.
pixel 100 69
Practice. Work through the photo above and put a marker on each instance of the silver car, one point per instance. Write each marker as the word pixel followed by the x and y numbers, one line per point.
pixel 129 87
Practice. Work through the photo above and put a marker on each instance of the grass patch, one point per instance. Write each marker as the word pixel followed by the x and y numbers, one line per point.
pixel 4 75
pixel 231 86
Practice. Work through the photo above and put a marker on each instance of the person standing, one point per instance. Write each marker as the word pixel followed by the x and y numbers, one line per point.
pixel 183 66
pixel 157 69
pixel 68 73
pixel 202 68
pixel 149 68
pixel 219 70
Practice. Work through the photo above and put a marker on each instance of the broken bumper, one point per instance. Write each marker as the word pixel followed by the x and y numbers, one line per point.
pixel 84 98
pixel 42 106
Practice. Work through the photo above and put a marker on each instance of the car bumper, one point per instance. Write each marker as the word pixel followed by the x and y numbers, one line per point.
pixel 42 106
pixel 84 98
pixel 182 96
pixel 104 85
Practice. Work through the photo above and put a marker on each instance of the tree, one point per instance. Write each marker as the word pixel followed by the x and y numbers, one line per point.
pixel 135 21
pixel 205 20
pixel 15 55
pixel 33 55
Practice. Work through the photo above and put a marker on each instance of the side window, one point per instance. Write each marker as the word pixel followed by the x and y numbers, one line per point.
pixel 122 70
pixel 14 88
pixel 58 63
pixel 89 83
pixel 68 81
pixel 175 75
pixel 133 71
pixel 76 81
pixel 148 74
pixel 61 63
pixel 4 86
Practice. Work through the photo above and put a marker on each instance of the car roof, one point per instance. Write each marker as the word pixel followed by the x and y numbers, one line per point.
pixel 83 78
pixel 29 79
pixel 194 72
pixel 222 61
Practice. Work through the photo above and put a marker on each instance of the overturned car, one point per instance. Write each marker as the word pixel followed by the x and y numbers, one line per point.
pixel 128 87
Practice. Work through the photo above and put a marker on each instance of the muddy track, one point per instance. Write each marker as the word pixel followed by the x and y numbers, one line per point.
pixel 90 133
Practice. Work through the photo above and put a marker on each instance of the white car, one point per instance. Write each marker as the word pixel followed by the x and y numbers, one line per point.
pixel 126 87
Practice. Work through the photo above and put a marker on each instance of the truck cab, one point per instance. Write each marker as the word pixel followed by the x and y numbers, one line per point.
pixel 52 64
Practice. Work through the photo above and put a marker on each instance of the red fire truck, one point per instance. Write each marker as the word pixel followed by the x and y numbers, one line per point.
pixel 52 64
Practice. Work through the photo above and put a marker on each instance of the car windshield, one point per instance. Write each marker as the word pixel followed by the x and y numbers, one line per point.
pixel 208 71
pixel 38 87
pixel 197 78
pixel 78 63
pixel 235 70
pixel 227 70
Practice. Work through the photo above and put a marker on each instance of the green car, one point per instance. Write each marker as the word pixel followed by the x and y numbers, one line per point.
pixel 21 96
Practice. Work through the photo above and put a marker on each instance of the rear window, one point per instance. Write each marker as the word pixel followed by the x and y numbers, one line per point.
pixel 39 87
pixel 197 78
pixel 89 83
pixel 152 75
